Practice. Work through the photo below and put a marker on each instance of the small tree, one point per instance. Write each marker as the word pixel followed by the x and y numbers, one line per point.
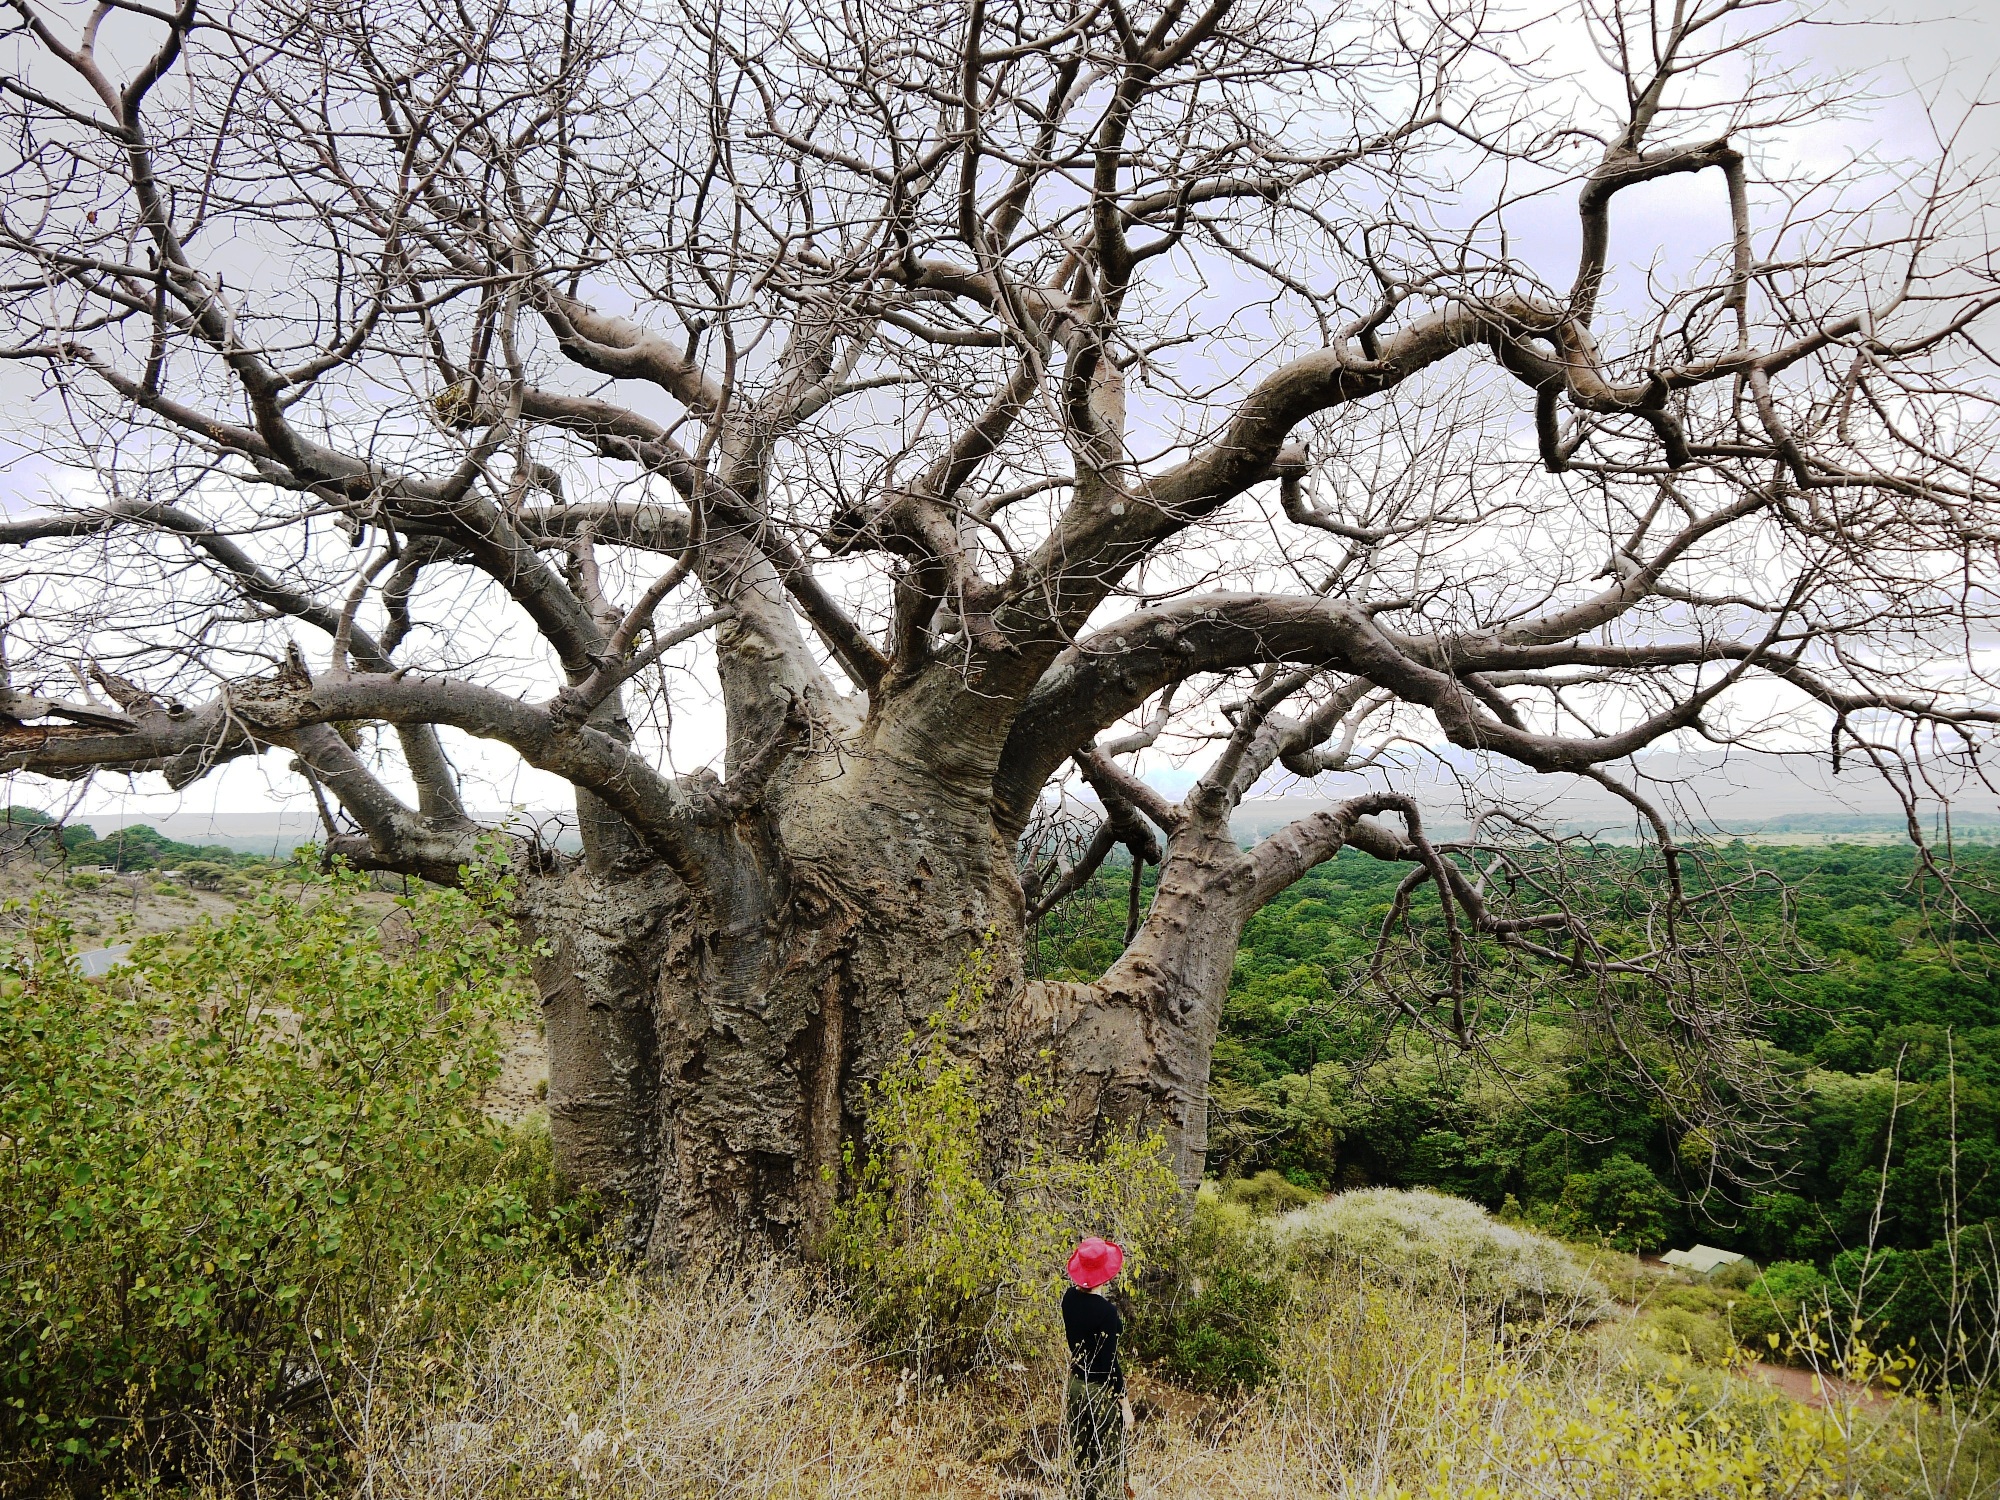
pixel 242 1178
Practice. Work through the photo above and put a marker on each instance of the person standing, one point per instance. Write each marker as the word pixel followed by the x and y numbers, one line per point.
pixel 1098 1414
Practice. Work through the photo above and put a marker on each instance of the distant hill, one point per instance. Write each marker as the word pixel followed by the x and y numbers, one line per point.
pixel 134 846
pixel 276 832
pixel 1787 798
pixel 1782 798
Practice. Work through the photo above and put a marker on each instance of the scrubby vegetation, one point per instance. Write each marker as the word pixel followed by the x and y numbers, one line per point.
pixel 126 850
pixel 1447 1247
pixel 763 1387
pixel 257 1236
pixel 247 1180
pixel 948 1266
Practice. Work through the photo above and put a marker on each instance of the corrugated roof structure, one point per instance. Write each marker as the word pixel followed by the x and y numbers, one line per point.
pixel 1702 1259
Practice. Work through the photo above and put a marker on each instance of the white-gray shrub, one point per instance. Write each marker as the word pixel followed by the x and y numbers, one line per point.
pixel 1438 1244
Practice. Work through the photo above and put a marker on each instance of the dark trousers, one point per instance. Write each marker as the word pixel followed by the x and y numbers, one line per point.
pixel 1096 1441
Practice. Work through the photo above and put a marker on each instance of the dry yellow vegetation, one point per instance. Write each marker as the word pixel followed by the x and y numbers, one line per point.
pixel 757 1388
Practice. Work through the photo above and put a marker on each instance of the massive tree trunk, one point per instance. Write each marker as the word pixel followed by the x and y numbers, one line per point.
pixel 707 1051
pixel 1134 1047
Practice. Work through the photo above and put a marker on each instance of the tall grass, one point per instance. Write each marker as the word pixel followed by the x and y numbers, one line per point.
pixel 752 1387
pixel 755 1389
pixel 1388 1392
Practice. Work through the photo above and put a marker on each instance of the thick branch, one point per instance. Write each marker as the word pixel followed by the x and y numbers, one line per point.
pixel 685 825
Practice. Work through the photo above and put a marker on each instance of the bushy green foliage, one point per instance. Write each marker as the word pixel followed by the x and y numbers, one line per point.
pixel 1694 1337
pixel 204 874
pixel 1210 1314
pixel 1622 1200
pixel 953 1265
pixel 245 1175
pixel 142 848
pixel 1698 1320
pixel 1940 1304
pixel 1773 1310
pixel 1916 1315
pixel 1267 1193
pixel 1883 1006
pixel 1435 1244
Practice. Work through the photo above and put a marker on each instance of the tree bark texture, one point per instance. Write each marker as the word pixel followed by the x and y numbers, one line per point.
pixel 708 1057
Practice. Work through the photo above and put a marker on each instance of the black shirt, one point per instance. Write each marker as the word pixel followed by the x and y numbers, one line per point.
pixel 1092 1325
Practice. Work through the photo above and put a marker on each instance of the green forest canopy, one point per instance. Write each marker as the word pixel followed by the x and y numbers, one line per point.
pixel 1881 1009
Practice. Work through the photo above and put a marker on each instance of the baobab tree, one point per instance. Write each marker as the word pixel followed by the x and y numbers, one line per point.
pixel 969 396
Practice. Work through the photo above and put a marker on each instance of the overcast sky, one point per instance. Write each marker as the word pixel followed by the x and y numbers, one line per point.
pixel 1920 51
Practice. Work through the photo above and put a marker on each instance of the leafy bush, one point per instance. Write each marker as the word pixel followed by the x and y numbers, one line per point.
pixel 204 874
pixel 945 1260
pixel 1622 1200
pixel 1941 1304
pixel 1774 1308
pixel 1389 1391
pixel 1694 1297
pixel 1698 1338
pixel 244 1175
pixel 1432 1243
pixel 1268 1193
pixel 1210 1314
pixel 1737 1276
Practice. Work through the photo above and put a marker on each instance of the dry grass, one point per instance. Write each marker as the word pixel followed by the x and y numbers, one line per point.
pixel 746 1388
pixel 1389 1393
pixel 756 1388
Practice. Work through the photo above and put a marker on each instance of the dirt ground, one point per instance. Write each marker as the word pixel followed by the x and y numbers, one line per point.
pixel 1814 1390
pixel 120 909
pixel 523 1084
pixel 1632 1280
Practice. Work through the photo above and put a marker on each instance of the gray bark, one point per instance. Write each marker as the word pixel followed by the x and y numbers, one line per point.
pixel 707 1053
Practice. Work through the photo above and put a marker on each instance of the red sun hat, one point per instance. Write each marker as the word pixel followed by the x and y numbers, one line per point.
pixel 1095 1262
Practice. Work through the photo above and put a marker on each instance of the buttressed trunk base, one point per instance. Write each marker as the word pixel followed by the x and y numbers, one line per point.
pixel 708 1054
pixel 709 1057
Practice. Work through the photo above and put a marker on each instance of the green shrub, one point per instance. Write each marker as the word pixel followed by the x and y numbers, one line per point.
pixel 952 1260
pixel 1736 1276
pixel 244 1175
pixel 1269 1193
pixel 1774 1308
pixel 1696 1297
pixel 1700 1339
pixel 1622 1200
pixel 1941 1303
pixel 1435 1244
pixel 1210 1314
